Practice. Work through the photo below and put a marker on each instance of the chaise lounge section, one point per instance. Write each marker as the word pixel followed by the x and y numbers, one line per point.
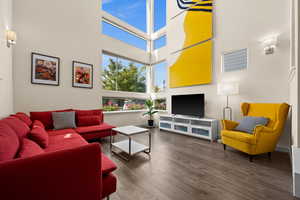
pixel 67 168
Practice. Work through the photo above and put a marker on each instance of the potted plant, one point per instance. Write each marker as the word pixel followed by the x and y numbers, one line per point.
pixel 150 106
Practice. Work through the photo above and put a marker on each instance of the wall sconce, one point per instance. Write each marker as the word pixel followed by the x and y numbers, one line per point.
pixel 270 44
pixel 11 38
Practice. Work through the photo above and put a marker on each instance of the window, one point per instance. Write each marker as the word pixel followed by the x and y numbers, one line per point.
pixel 121 104
pixel 160 104
pixel 160 75
pixel 159 14
pixel 133 12
pixel 120 34
pixel 120 74
pixel 160 42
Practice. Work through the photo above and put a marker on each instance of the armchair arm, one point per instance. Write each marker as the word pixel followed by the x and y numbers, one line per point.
pixel 72 174
pixel 260 129
pixel 229 125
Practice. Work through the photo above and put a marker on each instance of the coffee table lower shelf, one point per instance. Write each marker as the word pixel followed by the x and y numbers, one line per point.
pixel 135 147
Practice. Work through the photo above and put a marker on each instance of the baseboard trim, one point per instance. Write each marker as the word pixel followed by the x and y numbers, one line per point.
pixel 283 149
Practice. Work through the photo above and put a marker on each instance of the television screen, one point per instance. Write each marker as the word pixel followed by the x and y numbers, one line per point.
pixel 192 104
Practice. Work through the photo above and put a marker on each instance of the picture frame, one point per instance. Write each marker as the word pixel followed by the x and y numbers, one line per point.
pixel 82 75
pixel 44 69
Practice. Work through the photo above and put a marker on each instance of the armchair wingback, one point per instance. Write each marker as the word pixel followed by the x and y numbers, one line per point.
pixel 264 138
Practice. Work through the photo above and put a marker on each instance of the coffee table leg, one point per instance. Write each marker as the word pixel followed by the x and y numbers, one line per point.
pixel 150 141
pixel 110 138
pixel 129 143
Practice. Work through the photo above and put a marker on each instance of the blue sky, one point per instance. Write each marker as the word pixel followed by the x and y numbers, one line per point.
pixel 134 13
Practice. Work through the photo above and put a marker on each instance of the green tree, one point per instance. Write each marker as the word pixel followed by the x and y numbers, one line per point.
pixel 124 78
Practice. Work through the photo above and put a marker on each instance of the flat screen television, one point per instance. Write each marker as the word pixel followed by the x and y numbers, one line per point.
pixel 192 104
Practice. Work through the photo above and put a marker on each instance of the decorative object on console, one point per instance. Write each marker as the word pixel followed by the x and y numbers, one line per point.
pixel 150 106
pixel 82 75
pixel 228 89
pixel 11 38
pixel 44 69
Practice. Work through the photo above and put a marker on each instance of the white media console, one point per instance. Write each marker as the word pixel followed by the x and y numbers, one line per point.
pixel 198 127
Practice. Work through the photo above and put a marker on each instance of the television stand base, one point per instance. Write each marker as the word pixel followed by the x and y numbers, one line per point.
pixel 205 128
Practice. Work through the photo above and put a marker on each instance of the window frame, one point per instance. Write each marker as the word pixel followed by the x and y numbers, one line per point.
pixel 153 76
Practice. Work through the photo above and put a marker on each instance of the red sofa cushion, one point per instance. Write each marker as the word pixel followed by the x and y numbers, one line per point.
pixel 65 141
pixel 45 117
pixel 97 112
pixel 9 142
pixel 60 132
pixel 29 148
pixel 96 128
pixel 40 136
pixel 23 117
pixel 20 128
pixel 107 165
pixel 38 123
pixel 88 120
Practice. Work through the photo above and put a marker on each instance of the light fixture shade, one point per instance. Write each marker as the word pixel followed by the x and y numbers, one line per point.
pixel 228 89
pixel 11 35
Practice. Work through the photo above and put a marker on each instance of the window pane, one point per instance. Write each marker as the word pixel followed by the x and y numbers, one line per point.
pixel 159 14
pixel 120 34
pixel 160 104
pixel 160 76
pixel 110 71
pixel 133 12
pixel 160 42
pixel 121 74
pixel 119 104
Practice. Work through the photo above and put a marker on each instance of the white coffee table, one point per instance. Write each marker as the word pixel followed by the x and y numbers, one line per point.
pixel 129 146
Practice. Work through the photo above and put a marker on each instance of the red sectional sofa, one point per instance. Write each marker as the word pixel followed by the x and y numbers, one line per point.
pixel 67 168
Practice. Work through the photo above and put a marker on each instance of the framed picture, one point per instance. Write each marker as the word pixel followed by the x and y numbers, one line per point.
pixel 82 75
pixel 44 69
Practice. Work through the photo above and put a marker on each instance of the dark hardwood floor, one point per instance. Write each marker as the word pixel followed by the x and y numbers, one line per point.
pixel 186 168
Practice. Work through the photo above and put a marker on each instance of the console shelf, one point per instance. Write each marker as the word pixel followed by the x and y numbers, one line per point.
pixel 197 127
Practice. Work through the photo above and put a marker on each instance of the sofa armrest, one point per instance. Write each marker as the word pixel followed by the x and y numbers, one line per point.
pixel 72 174
pixel 229 125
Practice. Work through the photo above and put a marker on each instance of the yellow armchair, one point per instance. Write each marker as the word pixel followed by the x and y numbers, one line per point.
pixel 264 138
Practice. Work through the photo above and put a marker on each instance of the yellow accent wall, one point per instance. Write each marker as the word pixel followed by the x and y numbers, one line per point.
pixel 193 66
pixel 194 63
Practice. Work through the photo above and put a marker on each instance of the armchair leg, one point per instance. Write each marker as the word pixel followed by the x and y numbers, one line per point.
pixel 224 146
pixel 251 158
pixel 269 155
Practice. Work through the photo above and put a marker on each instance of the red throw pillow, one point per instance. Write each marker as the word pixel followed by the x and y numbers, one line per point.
pixel 20 128
pixel 23 117
pixel 29 148
pixel 9 142
pixel 88 120
pixel 38 123
pixel 40 136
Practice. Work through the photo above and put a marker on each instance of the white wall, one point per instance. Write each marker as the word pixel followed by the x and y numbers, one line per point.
pixel 71 30
pixel 6 83
pixel 242 24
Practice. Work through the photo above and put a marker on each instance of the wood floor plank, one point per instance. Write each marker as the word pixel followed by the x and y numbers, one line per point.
pixel 187 168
